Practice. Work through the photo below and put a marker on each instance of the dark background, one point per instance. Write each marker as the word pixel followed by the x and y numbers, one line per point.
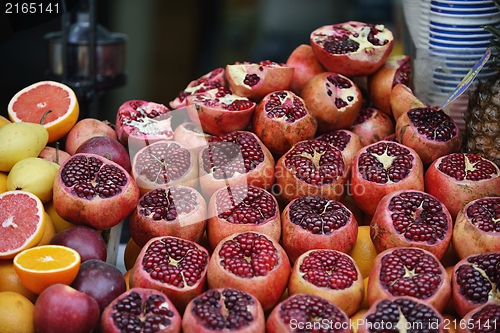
pixel 173 42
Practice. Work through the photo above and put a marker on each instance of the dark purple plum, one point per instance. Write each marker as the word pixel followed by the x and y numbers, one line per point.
pixel 87 241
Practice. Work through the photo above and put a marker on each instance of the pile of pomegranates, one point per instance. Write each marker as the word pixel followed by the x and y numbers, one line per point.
pixel 245 193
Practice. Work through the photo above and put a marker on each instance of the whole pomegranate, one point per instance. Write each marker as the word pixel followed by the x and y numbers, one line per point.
pixel 164 163
pixel 211 80
pixel 476 229
pixel 251 262
pixel 483 319
pixel 333 99
pixel 138 310
pixel 140 123
pixel 413 219
pixel 219 111
pixel 282 119
pixel 403 100
pixel 381 168
pixel 242 208
pixel 458 178
pixel 344 140
pixel 372 125
pixel 307 313
pixel 224 310
pixel 311 167
pixel 85 129
pixel 352 48
pixel 175 266
pixel 396 69
pixel 94 191
pixel 236 158
pixel 330 274
pixel 179 211
pixel 402 314
pixel 256 80
pixel 475 281
pixel 305 65
pixel 430 132
pixel 317 222
pixel 406 271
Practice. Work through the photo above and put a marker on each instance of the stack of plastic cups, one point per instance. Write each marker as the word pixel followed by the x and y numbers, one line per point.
pixel 456 41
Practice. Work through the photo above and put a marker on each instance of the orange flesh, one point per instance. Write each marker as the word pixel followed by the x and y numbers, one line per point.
pixel 33 104
pixel 45 260
pixel 18 221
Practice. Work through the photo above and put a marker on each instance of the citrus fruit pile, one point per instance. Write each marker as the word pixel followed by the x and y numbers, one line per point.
pixel 275 196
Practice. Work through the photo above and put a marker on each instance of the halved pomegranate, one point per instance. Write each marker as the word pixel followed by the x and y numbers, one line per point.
pixel 251 262
pixel 475 280
pixel 412 219
pixel 175 266
pixel 305 65
pixel 213 79
pixel 140 123
pixel 92 190
pixel 406 271
pixel 236 158
pixel 402 314
pixel 138 310
pixel 333 99
pixel 484 319
pixel 224 310
pixel 477 227
pixel 316 222
pixel 372 125
pixel 430 132
pixel 282 119
pixel 352 48
pixel 177 210
pixel 311 167
pixel 330 274
pixel 219 111
pixel 396 69
pixel 346 141
pixel 457 179
pixel 381 168
pixel 162 164
pixel 191 136
pixel 256 80
pixel 307 313
pixel 242 208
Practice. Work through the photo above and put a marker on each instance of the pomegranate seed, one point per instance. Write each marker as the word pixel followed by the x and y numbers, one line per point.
pixel 338 139
pixel 251 80
pixel 434 124
pixel 161 204
pixel 464 166
pixel 486 319
pixel 285 105
pixel 485 214
pixel 329 269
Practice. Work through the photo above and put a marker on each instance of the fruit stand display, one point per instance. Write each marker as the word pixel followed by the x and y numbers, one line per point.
pixel 316 195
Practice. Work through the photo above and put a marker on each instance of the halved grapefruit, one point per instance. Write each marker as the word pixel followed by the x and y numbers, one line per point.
pixel 31 103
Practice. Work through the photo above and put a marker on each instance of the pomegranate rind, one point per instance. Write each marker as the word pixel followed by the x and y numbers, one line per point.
pixel 273 76
pixel 365 325
pixel 190 226
pixel 376 291
pixel 455 194
pixel 296 240
pixel 321 96
pixel 385 236
pixel 367 194
pixel 188 178
pixel 192 140
pixel 98 213
pixel 261 176
pixel 219 228
pixel 107 325
pixel 477 323
pixel 190 321
pixel 375 128
pixel 402 100
pixel 215 119
pixel 348 300
pixel 351 148
pixel 305 65
pixel 468 239
pixel 462 303
pixel 180 297
pixel 277 134
pixel 267 289
pixel 366 60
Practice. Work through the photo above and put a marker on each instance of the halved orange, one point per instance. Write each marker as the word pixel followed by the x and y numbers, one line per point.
pixel 32 102
pixel 22 222
pixel 45 265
